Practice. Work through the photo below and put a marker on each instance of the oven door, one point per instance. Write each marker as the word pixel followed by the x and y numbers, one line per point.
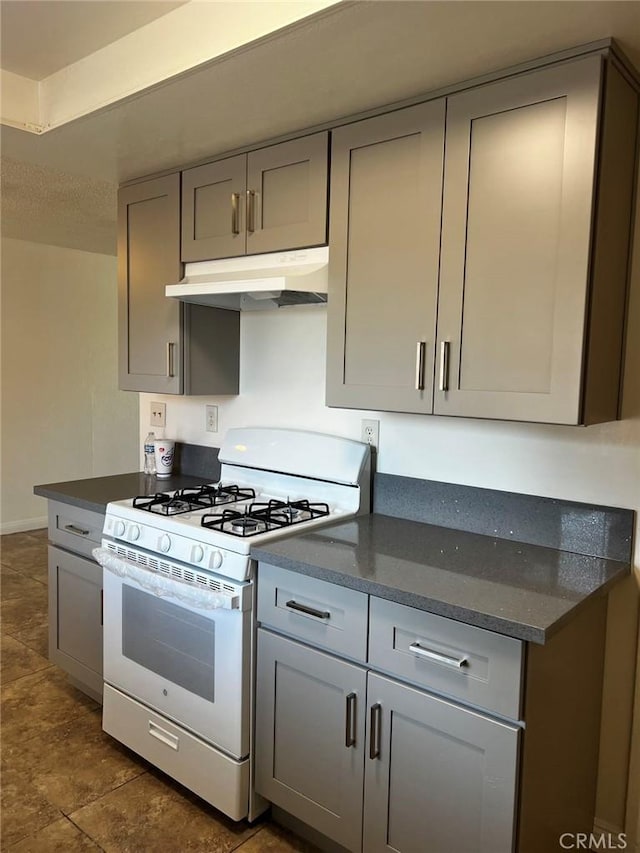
pixel 188 662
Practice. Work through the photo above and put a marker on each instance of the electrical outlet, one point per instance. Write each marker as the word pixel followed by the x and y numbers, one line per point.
pixel 158 416
pixel 211 418
pixel 370 432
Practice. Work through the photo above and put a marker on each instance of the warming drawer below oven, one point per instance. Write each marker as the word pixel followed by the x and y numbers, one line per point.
pixel 211 775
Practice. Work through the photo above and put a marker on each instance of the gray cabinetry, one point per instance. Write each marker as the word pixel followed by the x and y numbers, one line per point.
pixel 166 346
pixel 310 736
pixel 268 200
pixel 438 776
pixel 515 290
pixel 75 596
pixel 528 283
pixel 337 744
pixel 386 186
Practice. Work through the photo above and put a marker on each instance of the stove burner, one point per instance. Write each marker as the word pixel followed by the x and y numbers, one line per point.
pixel 262 517
pixel 206 496
pixel 192 498
pixel 244 525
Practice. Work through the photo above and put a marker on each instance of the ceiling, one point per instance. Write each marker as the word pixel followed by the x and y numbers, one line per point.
pixel 39 37
pixel 350 58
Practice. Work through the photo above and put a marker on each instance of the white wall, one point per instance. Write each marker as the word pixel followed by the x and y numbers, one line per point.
pixel 62 415
pixel 282 383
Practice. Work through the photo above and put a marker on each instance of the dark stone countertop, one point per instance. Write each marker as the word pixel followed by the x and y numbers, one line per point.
pixel 96 492
pixel 522 590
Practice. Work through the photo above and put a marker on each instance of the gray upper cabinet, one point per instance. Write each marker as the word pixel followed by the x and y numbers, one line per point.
pixel 519 201
pixel 529 280
pixel 268 200
pixel 166 346
pixel 148 260
pixel 213 210
pixel 386 188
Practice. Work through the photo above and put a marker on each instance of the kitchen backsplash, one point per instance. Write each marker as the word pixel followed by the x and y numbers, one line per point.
pixel 282 384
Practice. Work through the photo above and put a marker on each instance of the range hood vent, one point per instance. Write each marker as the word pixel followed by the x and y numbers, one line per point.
pixel 255 282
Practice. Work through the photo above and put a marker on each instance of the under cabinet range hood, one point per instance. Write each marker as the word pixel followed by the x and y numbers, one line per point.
pixel 254 282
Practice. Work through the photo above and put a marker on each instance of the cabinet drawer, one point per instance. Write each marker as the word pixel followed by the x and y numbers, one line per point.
pixel 471 664
pixel 76 529
pixel 323 614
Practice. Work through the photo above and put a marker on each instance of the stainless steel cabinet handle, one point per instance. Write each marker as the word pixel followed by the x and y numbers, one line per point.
pixel 235 213
pixel 310 611
pixel 420 351
pixel 444 366
pixel 350 723
pixel 102 607
pixel 251 211
pixel 170 346
pixel 375 730
pixel 438 657
pixel 73 529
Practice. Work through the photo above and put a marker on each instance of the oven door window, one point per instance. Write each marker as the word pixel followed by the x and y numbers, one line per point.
pixel 169 640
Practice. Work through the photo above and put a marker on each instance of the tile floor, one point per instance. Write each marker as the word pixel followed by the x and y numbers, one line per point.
pixel 67 786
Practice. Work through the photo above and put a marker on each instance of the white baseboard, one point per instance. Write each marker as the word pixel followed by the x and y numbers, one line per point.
pixel 24 525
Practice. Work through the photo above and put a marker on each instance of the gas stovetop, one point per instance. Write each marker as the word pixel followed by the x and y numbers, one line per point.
pixel 288 482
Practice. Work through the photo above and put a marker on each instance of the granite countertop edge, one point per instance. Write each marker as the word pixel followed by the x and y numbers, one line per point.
pixel 94 493
pixel 538 631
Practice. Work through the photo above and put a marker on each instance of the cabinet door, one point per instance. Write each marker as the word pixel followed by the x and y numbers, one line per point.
pixel 150 344
pixel 386 191
pixel 516 229
pixel 442 778
pixel 287 195
pixel 310 736
pixel 213 210
pixel 75 617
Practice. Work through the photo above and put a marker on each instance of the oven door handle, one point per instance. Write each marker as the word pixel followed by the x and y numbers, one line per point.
pixel 164 586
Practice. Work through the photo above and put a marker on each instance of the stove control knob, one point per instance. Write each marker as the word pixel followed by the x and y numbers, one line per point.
pixel 198 554
pixel 164 543
pixel 216 560
pixel 118 528
pixel 134 532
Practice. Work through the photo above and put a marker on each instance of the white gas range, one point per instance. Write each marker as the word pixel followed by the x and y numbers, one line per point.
pixel 178 595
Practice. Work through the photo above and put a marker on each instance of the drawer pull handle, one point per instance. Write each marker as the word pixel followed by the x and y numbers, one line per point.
pixel 310 611
pixel 375 731
pixel 350 725
pixel 73 529
pixel 438 657
pixel 163 735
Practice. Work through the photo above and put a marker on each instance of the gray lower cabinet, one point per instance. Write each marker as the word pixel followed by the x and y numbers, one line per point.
pixel 75 595
pixel 442 738
pixel 166 346
pixel 370 762
pixel 423 757
pixel 269 200
pixel 439 777
pixel 386 188
pixel 520 251
pixel 310 736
